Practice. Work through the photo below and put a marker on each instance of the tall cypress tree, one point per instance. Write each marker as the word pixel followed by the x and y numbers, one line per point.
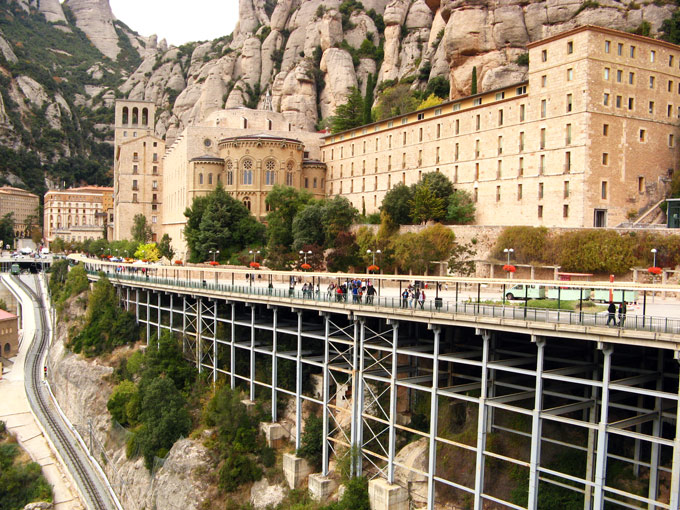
pixel 473 88
pixel 368 99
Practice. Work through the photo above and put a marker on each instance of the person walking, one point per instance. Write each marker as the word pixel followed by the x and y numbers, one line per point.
pixel 611 311
pixel 404 298
pixel 623 308
pixel 421 299
pixel 370 292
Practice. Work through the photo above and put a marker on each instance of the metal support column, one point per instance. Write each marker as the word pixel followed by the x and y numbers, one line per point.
pixel 481 425
pixel 199 334
pixel 675 473
pixel 137 305
pixel 326 396
pixel 252 352
pixel 184 324
pixel 298 384
pixel 393 405
pixel 602 436
pixel 359 401
pixel 232 360
pixel 434 418
pixel 215 361
pixel 275 378
pixel 160 314
pixel 172 313
pixel 148 317
pixel 654 457
pixel 536 426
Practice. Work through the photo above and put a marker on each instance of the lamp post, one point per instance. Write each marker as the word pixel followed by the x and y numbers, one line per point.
pixel 374 253
pixel 214 253
pixel 305 253
pixel 654 250
pixel 254 254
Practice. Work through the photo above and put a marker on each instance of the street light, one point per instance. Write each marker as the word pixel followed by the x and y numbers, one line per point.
pixel 373 252
pixel 508 251
pixel 305 253
pixel 654 250
pixel 214 252
pixel 254 254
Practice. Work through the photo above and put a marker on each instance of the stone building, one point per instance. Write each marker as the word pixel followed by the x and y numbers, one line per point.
pixel 248 151
pixel 9 334
pixel 590 139
pixel 76 214
pixel 22 205
pixel 138 169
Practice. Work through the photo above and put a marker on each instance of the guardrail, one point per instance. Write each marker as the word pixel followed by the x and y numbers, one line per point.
pixel 437 305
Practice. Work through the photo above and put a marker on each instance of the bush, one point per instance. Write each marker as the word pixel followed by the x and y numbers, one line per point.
pixel 311 442
pixel 236 470
pixel 529 244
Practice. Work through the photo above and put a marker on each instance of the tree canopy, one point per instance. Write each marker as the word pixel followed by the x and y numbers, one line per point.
pixel 141 231
pixel 220 222
pixel 350 114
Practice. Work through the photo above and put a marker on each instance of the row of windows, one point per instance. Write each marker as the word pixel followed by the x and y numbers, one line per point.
pixel 134 119
pixel 630 79
pixel 247 178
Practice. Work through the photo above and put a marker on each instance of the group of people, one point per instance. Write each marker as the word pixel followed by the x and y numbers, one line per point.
pixel 412 296
pixel 611 311
pixel 308 290
pixel 356 288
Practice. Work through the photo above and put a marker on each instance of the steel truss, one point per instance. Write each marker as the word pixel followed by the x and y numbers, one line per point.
pixel 610 405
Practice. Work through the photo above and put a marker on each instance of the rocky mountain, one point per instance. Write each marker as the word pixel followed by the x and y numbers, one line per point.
pixel 308 54
pixel 63 65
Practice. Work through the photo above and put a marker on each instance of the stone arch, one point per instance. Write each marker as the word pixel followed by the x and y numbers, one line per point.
pixel 126 115
pixel 7 348
pixel 145 116
pixel 270 165
pixel 247 166
pixel 135 116
pixel 247 203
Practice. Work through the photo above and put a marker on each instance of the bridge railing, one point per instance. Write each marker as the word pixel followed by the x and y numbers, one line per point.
pixel 438 305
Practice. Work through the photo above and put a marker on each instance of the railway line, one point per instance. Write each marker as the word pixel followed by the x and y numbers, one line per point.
pixel 96 495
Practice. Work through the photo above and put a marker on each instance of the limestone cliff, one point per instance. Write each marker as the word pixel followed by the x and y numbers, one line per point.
pixel 82 388
pixel 308 54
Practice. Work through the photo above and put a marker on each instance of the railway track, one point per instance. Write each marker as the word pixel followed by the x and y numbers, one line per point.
pixel 96 496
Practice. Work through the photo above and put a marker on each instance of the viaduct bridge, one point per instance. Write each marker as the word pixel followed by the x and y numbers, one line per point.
pixel 491 406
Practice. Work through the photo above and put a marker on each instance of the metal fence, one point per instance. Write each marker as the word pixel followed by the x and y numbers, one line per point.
pixel 437 305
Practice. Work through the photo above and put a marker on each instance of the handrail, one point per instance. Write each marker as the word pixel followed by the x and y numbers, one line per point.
pixel 438 305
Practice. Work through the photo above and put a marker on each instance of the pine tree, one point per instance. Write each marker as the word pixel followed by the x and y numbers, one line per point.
pixel 368 99
pixel 473 88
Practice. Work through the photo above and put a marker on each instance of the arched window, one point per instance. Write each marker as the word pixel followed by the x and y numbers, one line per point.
pixel 84 221
pixel 270 172
pixel 200 178
pixel 230 173
pixel 7 348
pixel 247 171
pixel 289 178
pixel 145 116
pixel 135 116
pixel 126 115
pixel 209 178
pixel 246 202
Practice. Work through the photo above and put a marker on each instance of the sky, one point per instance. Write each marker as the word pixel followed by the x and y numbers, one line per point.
pixel 178 21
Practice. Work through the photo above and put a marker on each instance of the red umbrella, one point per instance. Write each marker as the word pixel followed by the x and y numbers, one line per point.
pixel 509 268
pixel 306 266
pixel 255 265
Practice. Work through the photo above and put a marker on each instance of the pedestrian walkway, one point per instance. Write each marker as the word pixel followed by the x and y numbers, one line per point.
pixel 15 411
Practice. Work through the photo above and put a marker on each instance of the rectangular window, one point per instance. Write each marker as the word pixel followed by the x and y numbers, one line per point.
pixel 565 211
pixel 632 52
pixel 456 107
pixel 543 108
pixel 477 101
pixel 619 76
pixel 500 145
pixel 521 90
pixel 542 140
pixel 498 193
pixel 521 141
pixel 499 169
pixel 544 56
pixel 651 107
pixel 476 171
pixel 500 95
pixel 605 158
pixel 403 141
pixel 652 56
pixel 540 211
pixel 544 80
pixel 457 126
pixel 439 130
pixel 566 189
pixel 642 135
pixel 619 49
pixel 403 160
pixel 475 195
pixel 567 162
pixel 606 73
pixel 456 152
pixel 603 193
pixel 570 74
pixel 570 47
pixel 455 174
pixel 671 140
pixel 631 78
pixel 478 122
pixel 631 103
pixel 651 82
pixel 669 110
pixel 421 116
pixel 520 171
pixel 641 184
pixel 437 158
pixel 541 164
pixel 500 117
pixel 540 190
pixel 569 103
pixel 607 45
pixel 670 60
pixel 567 134
pixel 521 113
pixel 606 99
pixel 618 101
pixel 519 192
